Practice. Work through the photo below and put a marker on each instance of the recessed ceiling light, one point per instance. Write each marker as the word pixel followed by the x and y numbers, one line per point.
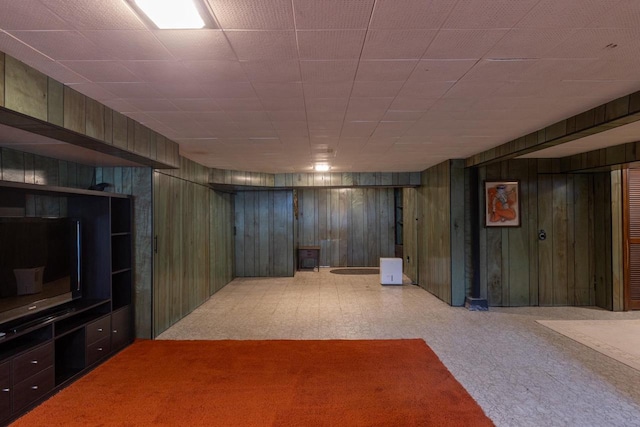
pixel 172 14
pixel 322 167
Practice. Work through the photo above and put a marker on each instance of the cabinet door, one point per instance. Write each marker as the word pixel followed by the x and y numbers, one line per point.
pixel 5 390
pixel 120 328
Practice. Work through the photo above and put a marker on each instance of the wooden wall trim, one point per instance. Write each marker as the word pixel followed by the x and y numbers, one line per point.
pixel 618 112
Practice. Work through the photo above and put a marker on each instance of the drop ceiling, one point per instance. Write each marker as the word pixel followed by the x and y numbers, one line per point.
pixel 366 85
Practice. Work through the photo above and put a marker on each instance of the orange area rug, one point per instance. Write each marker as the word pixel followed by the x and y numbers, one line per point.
pixel 265 383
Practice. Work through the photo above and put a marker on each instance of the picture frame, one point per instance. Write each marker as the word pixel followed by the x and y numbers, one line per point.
pixel 502 203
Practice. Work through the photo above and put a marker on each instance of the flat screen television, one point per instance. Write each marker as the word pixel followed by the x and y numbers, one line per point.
pixel 40 264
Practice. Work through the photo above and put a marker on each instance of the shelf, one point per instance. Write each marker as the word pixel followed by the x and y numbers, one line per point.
pixel 55 190
pixel 125 233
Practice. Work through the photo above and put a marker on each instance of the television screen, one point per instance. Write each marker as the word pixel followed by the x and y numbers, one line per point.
pixel 39 264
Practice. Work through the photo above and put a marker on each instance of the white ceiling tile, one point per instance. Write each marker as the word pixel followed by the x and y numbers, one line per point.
pixel 463 44
pixel 196 45
pixel 83 14
pixel 385 70
pixel 101 71
pixel 151 104
pixel 330 44
pixel 286 116
pixel 425 90
pixel 429 70
pixel 128 44
pixel 626 14
pixel 232 90
pixel 327 90
pixel 155 71
pixel 397 44
pixel 358 129
pixel 324 125
pixel 218 117
pixel 499 71
pixel 529 43
pixel 325 116
pixel 213 71
pixel 272 71
pixel 263 45
pixel 61 45
pixel 195 104
pixel 410 14
pixel 131 90
pixel 328 71
pixel 313 14
pixel 278 90
pixel 470 14
pixel 474 90
pixel 376 89
pixel 19 15
pixel 292 134
pixel 326 104
pixel 598 43
pixel 283 104
pixel 412 104
pixel 566 14
pixel 180 89
pixel 252 15
pixel 239 104
pixel 290 125
pixel 402 116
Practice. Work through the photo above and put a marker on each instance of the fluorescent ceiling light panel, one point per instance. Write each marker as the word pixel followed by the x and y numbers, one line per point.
pixel 172 14
pixel 322 167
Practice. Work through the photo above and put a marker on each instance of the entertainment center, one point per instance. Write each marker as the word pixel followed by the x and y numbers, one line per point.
pixel 50 338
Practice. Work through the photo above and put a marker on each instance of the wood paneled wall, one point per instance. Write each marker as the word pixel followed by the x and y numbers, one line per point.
pixel 410 233
pixel 186 272
pixel 221 243
pixel 264 234
pixel 354 227
pixel 328 179
pixel 441 232
pixel 573 265
pixel 17 166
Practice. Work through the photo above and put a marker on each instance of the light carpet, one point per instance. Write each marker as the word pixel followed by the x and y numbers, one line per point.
pixel 618 339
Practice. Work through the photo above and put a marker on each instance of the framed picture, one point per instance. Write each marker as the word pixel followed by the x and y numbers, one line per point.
pixel 502 203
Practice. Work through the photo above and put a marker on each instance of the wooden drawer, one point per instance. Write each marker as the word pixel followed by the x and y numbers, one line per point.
pixel 120 328
pixel 6 390
pixel 307 253
pixel 32 362
pixel 33 388
pixel 98 330
pixel 98 350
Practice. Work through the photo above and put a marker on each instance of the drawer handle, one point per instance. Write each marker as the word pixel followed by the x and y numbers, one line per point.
pixel 6 390
pixel 99 329
pixel 34 387
pixel 34 362
pixel 115 331
pixel 99 348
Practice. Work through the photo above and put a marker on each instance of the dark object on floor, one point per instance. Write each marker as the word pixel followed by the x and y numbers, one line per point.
pixel 356 271
pixel 476 304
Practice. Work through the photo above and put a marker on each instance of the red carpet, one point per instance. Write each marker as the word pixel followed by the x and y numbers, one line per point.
pixel 265 383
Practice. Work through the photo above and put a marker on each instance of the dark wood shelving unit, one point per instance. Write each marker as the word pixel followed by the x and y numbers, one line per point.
pixel 67 341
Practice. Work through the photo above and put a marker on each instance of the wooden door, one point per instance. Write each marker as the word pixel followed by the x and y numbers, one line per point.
pixel 631 185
